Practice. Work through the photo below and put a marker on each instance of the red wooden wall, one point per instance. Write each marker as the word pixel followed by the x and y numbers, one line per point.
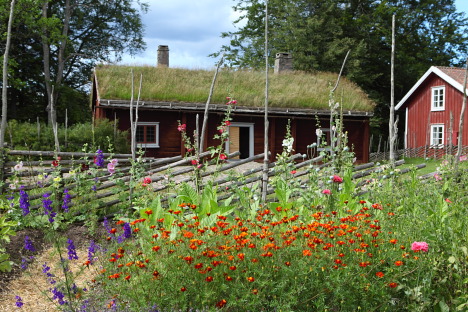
pixel 302 129
pixel 420 116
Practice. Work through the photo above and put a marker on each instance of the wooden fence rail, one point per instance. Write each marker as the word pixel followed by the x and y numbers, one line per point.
pixel 106 186
pixel 428 151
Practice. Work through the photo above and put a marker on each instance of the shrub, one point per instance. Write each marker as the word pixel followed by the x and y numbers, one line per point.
pixel 31 136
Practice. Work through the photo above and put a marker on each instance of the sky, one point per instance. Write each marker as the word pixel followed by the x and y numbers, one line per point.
pixel 192 30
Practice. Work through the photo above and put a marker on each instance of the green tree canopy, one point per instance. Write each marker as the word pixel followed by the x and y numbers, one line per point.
pixel 319 33
pixel 56 43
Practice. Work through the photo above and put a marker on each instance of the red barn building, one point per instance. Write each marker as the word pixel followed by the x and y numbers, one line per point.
pixel 432 112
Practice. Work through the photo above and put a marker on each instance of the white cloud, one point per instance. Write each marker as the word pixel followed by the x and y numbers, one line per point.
pixel 191 29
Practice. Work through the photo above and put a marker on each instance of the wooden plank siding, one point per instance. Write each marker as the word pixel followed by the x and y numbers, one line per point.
pixel 420 117
pixel 302 128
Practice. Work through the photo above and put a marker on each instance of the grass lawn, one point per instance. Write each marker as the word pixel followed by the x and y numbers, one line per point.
pixel 431 164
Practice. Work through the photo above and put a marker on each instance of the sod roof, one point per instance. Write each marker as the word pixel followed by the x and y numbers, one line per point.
pixel 287 90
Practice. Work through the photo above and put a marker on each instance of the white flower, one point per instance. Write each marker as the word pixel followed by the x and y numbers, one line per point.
pixel 318 132
pixel 288 143
pixel 18 166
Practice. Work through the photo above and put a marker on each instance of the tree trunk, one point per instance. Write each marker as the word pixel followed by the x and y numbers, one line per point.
pixel 52 96
pixel 5 80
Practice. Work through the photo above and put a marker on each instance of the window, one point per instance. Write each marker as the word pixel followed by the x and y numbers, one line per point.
pixel 437 135
pixel 438 98
pixel 147 134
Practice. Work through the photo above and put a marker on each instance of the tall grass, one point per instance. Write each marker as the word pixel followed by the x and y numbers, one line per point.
pixel 294 89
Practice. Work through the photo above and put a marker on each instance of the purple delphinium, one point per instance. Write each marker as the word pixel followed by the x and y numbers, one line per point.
pixel 24 202
pixel 127 230
pixel 58 295
pixel 71 250
pixel 127 233
pixel 106 225
pixel 47 204
pixel 24 264
pixel 28 244
pixel 99 158
pixel 19 301
pixel 66 200
pixel 50 276
pixel 93 247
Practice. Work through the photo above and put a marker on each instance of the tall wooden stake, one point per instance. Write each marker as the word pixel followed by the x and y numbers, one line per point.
pixel 132 126
pixel 265 137
pixel 205 116
pixel 391 124
pixel 66 127
pixel 54 123
pixel 461 122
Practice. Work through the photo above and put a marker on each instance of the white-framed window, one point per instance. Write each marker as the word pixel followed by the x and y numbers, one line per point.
pixel 438 98
pixel 241 139
pixel 323 139
pixel 437 136
pixel 147 134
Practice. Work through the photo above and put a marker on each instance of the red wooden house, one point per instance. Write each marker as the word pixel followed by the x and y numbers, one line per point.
pixel 169 96
pixel 432 112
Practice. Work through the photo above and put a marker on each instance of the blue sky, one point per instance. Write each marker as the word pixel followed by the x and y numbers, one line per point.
pixel 192 29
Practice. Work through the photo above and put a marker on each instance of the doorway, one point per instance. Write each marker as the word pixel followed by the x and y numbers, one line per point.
pixel 241 139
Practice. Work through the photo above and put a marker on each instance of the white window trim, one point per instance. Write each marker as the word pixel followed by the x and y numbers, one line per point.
pixel 250 125
pixel 432 136
pixel 150 145
pixel 327 148
pixel 433 108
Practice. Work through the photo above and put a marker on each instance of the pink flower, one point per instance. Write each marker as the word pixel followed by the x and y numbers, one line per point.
pixel 293 171
pixel 182 127
pixel 231 101
pixel 111 168
pixel 227 123
pixel 463 157
pixel 114 161
pixel 437 177
pixel 221 129
pixel 337 179
pixel 420 246
pixel 194 162
pixel 448 201
pixel 222 156
pixel 326 192
pixel 147 180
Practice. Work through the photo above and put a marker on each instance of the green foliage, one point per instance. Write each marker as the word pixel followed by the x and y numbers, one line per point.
pixel 30 136
pixel 305 250
pixel 319 33
pixel 6 230
pixel 96 32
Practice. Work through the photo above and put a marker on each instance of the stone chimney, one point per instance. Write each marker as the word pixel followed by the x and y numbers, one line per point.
pixel 163 56
pixel 283 62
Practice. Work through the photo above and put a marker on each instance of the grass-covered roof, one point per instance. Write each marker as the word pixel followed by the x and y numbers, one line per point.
pixel 286 90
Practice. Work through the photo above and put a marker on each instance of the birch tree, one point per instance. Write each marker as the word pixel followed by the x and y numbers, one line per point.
pixel 5 77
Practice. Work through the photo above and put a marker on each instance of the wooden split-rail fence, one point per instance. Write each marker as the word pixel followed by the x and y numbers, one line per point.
pixel 41 173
